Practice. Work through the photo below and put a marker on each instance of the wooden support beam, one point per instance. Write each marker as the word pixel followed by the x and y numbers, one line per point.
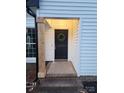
pixel 41 48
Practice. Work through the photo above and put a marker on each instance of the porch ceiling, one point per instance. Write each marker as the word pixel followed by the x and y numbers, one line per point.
pixel 70 24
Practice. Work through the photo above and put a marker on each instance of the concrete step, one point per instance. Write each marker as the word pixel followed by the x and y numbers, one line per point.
pixel 60 85
pixel 58 91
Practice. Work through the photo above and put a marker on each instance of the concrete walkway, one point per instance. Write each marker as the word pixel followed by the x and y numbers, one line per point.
pixel 61 69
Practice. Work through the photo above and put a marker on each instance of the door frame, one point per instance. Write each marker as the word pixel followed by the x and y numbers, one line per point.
pixel 55 41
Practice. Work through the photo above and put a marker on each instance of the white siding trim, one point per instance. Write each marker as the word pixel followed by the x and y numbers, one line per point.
pixel 49 45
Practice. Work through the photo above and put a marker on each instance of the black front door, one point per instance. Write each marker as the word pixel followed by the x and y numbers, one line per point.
pixel 61 44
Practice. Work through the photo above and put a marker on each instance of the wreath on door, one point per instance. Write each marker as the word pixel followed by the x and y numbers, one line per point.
pixel 61 37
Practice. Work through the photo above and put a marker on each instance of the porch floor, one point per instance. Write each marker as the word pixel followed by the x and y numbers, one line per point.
pixel 61 69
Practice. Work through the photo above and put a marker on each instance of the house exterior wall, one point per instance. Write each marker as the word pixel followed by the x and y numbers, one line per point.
pixel 49 45
pixel 30 23
pixel 85 10
pixel 75 46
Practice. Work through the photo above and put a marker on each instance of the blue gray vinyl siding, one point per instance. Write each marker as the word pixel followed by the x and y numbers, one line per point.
pixel 88 46
pixel 30 22
pixel 85 10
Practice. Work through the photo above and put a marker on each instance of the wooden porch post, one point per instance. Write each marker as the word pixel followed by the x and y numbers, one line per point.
pixel 41 48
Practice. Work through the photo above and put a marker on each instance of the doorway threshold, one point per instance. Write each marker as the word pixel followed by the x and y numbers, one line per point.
pixel 61 60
